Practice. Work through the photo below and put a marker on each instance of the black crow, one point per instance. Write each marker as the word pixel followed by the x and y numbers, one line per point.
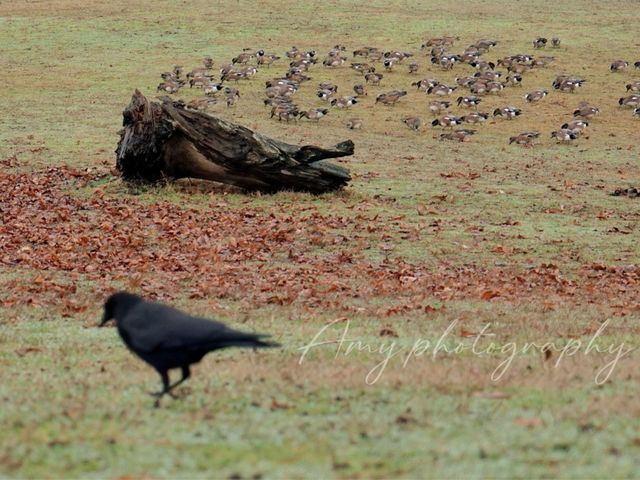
pixel 167 338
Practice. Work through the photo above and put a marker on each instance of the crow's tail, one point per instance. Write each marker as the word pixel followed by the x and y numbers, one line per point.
pixel 250 340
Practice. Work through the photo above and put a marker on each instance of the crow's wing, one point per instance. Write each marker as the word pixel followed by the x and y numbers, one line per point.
pixel 152 327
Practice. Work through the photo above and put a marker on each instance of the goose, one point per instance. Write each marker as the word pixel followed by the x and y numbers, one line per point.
pixel 525 138
pixel 505 61
pixel 485 44
pixel 630 192
pixel 201 104
pixel 314 114
pixel 441 90
pixel 266 59
pixel 470 55
pixel 438 106
pixel 248 71
pixel 399 56
pixel 437 52
pixel 478 48
pixel 488 75
pixel 344 102
pixel 277 101
pixel 618 65
pixel 282 81
pixel 507 112
pixel 563 135
pixel 536 95
pixel 567 85
pixel 475 117
pixel 413 67
pixel 212 89
pixel 279 91
pixel 513 79
pixel 483 65
pixel 543 61
pixel 432 42
pixel 199 81
pixel 354 124
pixel 636 112
pixel 373 78
pixel 285 111
pixel 460 135
pixel 168 87
pixel 446 40
pixel 446 63
pixel 286 115
pixel 390 98
pixel 325 95
pixel 539 42
pixel 169 76
pixel 630 101
pixel 576 126
pixel 200 72
pixel 522 58
pixel 243 58
pixel 494 87
pixel 519 67
pixel 360 89
pixel 364 51
pixel 328 86
pixel 425 83
pixel 414 123
pixel 465 81
pixel 363 68
pixel 293 53
pixel 586 111
pixel 555 42
pixel 470 101
pixel 303 63
pixel 297 76
pixel 447 121
pixel 234 75
pixel 388 63
pixel 474 50
pixel 207 62
pixel 478 87
pixel 334 61
pixel 633 86
pixel 224 69
pixel 231 92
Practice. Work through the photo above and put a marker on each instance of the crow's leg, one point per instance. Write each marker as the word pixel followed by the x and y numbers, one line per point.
pixel 186 373
pixel 166 389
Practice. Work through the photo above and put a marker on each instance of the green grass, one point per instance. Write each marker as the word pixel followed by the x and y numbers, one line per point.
pixel 74 400
pixel 71 413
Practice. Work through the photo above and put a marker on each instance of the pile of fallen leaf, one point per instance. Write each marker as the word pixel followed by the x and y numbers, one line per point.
pixel 55 240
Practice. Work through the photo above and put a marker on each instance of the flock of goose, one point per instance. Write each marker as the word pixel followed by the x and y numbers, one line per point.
pixel 370 70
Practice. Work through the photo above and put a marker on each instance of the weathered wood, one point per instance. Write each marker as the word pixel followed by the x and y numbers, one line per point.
pixel 168 140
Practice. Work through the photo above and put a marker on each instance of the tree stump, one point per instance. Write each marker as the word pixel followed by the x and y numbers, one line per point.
pixel 169 141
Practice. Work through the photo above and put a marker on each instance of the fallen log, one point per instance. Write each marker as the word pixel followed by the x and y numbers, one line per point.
pixel 169 141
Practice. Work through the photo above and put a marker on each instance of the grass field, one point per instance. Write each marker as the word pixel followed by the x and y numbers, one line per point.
pixel 432 242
